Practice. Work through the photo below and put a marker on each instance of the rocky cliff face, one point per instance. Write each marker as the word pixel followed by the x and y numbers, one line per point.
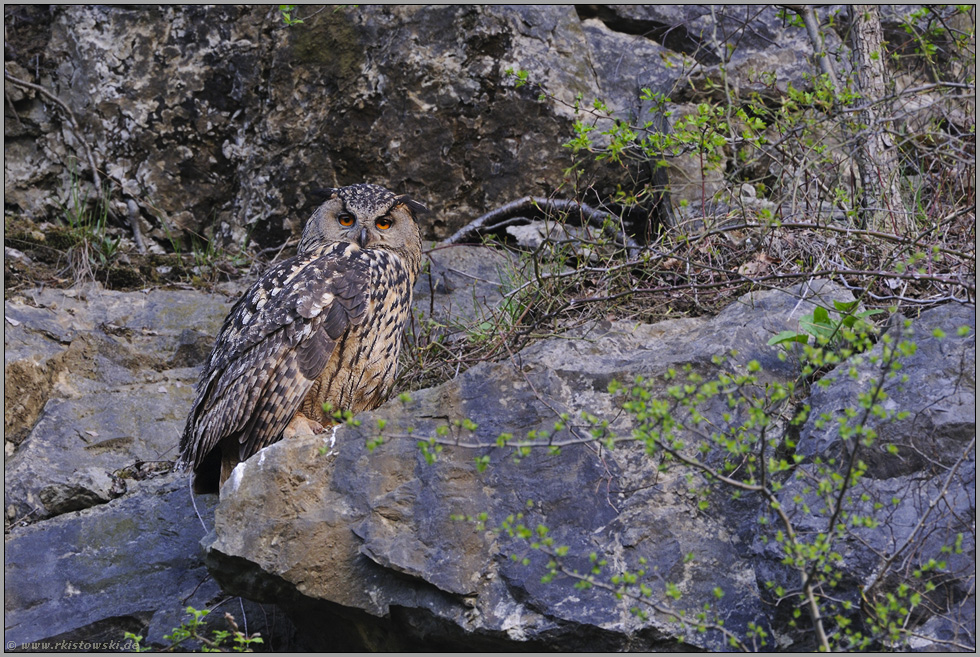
pixel 365 549
pixel 224 116
pixel 222 121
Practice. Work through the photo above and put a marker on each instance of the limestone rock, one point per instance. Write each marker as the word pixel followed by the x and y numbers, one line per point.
pixel 332 530
pixel 460 282
pixel 131 565
pixel 98 386
pixel 923 468
pixel 940 395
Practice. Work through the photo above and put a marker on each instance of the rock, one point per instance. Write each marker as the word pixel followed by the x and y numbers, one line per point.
pixel 233 130
pixel 98 382
pixel 460 282
pixel 202 132
pixel 329 529
pixel 922 469
pixel 367 542
pixel 131 565
pixel 940 394
pixel 743 36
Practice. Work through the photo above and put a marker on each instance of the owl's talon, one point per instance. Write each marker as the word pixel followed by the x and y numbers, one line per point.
pixel 301 425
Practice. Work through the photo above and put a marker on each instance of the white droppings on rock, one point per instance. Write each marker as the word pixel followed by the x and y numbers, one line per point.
pixel 234 480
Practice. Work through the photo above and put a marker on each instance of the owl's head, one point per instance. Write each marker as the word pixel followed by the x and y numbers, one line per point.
pixel 371 217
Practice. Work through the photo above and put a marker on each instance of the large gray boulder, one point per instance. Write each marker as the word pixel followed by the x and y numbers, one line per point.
pixel 99 383
pixel 86 578
pixel 372 541
pixel 94 575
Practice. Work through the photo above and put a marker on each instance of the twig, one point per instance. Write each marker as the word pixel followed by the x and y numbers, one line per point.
pixel 71 119
pixel 813 31
pixel 279 249
pixel 537 205
pixel 739 279
pixel 847 230
pixel 134 224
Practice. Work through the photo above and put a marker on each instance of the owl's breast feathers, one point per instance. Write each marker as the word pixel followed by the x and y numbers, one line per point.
pixel 277 340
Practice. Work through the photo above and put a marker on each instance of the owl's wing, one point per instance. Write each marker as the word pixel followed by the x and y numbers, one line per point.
pixel 273 345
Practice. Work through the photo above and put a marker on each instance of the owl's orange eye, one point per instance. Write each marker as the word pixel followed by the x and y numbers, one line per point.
pixel 384 223
pixel 345 219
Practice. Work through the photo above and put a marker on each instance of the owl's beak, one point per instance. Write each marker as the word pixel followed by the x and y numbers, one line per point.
pixel 362 238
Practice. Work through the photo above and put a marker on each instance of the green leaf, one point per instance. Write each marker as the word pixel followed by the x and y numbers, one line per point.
pixel 788 336
pixel 821 316
pixel 819 329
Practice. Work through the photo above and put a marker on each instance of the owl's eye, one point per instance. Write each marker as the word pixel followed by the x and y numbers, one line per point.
pixel 383 223
pixel 345 219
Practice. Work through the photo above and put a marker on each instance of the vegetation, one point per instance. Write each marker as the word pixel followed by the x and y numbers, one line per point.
pixel 85 245
pixel 91 245
pixel 777 199
pixel 192 635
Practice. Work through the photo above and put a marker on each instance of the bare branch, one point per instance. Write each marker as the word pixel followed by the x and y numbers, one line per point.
pixel 813 31
pixel 534 205
pixel 71 119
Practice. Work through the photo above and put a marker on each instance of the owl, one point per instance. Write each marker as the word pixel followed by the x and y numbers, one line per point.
pixel 323 327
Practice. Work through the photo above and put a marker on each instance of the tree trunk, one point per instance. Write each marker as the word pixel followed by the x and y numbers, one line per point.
pixel 881 200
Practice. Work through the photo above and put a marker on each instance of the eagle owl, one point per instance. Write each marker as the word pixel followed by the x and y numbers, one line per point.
pixel 323 327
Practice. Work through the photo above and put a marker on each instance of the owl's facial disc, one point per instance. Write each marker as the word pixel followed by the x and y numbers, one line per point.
pixel 374 230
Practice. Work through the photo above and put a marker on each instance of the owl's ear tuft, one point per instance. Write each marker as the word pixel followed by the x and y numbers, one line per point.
pixel 413 205
pixel 321 194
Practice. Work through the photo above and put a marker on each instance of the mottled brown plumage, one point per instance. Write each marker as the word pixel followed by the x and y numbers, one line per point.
pixel 323 327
